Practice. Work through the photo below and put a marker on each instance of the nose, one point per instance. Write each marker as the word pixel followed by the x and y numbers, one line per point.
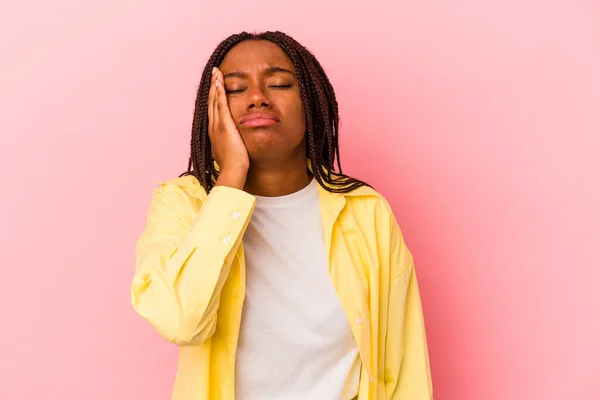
pixel 257 98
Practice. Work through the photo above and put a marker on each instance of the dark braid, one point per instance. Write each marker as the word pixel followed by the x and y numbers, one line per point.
pixel 320 111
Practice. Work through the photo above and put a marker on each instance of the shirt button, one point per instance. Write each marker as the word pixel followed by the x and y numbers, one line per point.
pixel 236 215
pixel 358 321
pixel 226 240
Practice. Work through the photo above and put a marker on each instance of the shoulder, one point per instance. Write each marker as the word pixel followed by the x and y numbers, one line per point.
pixel 369 200
pixel 370 213
pixel 176 197
pixel 186 185
pixel 373 211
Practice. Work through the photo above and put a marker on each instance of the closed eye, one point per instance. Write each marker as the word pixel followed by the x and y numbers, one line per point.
pixel 271 86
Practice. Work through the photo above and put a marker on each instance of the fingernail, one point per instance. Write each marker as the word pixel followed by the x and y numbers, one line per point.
pixel 214 70
pixel 217 83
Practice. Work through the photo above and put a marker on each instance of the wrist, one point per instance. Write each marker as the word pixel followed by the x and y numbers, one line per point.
pixel 232 177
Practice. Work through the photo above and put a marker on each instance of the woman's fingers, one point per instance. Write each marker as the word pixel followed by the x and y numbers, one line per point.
pixel 221 98
pixel 222 106
pixel 216 112
pixel 228 147
pixel 210 101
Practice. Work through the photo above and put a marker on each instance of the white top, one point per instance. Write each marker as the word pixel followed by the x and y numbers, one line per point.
pixel 295 340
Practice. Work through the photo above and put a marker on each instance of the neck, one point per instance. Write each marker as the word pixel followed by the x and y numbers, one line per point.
pixel 271 180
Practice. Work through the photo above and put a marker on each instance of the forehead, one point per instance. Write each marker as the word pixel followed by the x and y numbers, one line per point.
pixel 251 55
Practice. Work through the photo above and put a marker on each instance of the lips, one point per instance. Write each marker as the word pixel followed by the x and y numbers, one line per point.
pixel 259 119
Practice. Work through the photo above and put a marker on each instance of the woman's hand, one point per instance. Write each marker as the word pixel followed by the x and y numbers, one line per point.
pixel 228 148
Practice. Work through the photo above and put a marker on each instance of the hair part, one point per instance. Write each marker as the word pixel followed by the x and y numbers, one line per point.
pixel 320 111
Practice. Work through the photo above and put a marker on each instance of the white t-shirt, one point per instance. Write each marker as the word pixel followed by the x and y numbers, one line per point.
pixel 295 340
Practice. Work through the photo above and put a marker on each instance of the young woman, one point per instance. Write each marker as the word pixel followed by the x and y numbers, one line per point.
pixel 278 277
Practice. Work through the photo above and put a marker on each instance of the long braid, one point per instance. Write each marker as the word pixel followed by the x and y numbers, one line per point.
pixel 320 112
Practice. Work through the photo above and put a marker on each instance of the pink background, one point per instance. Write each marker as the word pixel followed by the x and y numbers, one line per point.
pixel 479 120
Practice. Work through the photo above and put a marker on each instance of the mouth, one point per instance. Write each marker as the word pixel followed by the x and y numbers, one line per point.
pixel 259 119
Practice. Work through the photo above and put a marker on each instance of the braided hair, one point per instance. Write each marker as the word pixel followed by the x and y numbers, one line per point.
pixel 320 110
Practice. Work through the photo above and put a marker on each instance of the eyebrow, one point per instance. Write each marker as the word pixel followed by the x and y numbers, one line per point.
pixel 270 70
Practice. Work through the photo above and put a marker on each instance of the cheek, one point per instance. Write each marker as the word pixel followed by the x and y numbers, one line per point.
pixel 236 107
pixel 296 112
pixel 298 129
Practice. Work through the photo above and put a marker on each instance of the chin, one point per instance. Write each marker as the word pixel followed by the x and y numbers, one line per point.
pixel 267 143
pixel 260 136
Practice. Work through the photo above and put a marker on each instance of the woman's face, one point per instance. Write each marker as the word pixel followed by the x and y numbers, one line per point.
pixel 264 99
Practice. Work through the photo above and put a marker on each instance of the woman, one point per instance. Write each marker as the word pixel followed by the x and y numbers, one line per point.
pixel 278 277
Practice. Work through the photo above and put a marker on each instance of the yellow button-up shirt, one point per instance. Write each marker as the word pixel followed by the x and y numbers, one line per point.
pixel 190 279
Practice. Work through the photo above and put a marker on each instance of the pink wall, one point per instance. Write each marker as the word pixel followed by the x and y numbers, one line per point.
pixel 479 121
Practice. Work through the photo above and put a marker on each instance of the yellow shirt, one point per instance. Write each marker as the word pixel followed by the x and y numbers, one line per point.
pixel 190 279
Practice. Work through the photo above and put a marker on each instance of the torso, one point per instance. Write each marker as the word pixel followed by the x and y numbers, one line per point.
pixel 295 340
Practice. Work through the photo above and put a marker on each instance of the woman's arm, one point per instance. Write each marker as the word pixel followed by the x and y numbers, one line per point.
pixel 407 374
pixel 183 259
pixel 407 361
